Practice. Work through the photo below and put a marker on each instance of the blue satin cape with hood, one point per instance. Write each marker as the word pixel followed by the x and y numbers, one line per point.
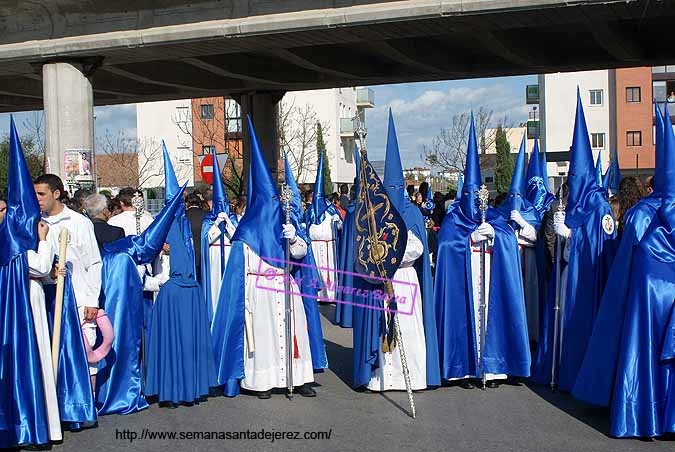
pixel 595 380
pixel 506 349
pixel 23 414
pixel 227 328
pixel 219 204
pixel 368 323
pixel 643 398
pixel 119 386
pixel 180 365
pixel 591 254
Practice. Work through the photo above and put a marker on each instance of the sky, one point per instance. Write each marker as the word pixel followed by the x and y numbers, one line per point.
pixel 420 110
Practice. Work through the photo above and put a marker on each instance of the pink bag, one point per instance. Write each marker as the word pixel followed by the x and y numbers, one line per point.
pixel 104 325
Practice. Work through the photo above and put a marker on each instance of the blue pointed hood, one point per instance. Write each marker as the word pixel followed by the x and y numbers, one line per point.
pixel 615 174
pixel 668 183
pixel 460 185
pixel 319 202
pixel 514 199
pixel 598 169
pixel 582 179
pixel 171 186
pixel 18 231
pixel 393 180
pixel 219 202
pixel 544 167
pixel 606 178
pixel 260 227
pixel 659 173
pixel 472 178
pixel 145 247
pixel 536 187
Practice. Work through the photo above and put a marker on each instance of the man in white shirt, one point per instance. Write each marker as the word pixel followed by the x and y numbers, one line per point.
pixel 83 257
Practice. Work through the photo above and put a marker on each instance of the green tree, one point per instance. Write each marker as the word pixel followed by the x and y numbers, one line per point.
pixel 504 164
pixel 33 160
pixel 321 148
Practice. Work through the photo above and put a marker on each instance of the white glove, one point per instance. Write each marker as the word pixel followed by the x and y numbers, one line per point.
pixel 559 226
pixel 484 232
pixel 222 216
pixel 163 278
pixel 289 232
pixel 517 218
pixel 337 219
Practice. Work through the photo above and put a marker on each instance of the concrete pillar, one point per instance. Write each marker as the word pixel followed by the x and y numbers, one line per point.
pixel 69 116
pixel 262 107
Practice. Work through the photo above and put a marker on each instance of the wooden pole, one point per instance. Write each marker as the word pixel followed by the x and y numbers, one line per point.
pixel 58 308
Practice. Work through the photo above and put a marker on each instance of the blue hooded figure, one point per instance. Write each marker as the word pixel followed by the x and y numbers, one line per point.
pixel 615 174
pixel 216 233
pixel 119 381
pixel 595 381
pixel 307 276
pixel 642 400
pixel 537 193
pixel 458 280
pixel 323 223
pixel 249 330
pixel 588 231
pixel 345 299
pixel 180 365
pixel 373 367
pixel 23 412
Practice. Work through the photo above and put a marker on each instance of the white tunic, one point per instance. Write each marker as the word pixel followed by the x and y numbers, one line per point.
pixel 389 375
pixel 84 261
pixel 265 368
pixel 323 247
pixel 216 275
pixel 127 221
pixel 40 265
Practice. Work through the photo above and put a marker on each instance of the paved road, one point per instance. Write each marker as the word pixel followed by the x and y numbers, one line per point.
pixel 510 418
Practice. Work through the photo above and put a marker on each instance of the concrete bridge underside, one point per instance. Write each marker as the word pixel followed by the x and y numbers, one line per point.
pixel 142 50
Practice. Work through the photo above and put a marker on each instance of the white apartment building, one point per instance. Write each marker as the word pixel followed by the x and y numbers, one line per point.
pixel 514 135
pixel 416 173
pixel 557 109
pixel 334 108
pixel 169 121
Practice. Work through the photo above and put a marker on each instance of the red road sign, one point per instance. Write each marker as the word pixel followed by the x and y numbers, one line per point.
pixel 206 169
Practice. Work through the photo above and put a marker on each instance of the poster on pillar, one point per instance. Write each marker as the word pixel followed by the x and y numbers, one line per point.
pixel 78 165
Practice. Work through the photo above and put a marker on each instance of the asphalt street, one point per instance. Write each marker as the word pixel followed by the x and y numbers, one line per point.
pixel 509 418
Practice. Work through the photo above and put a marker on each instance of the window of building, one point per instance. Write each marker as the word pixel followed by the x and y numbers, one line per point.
pixel 208 149
pixel 634 138
pixel 633 94
pixel 207 111
pixel 184 155
pixel 232 116
pixel 598 140
pixel 659 89
pixel 596 96
pixel 489 179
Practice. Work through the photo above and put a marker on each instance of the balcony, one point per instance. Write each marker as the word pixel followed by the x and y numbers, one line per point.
pixel 532 94
pixel 365 98
pixel 346 127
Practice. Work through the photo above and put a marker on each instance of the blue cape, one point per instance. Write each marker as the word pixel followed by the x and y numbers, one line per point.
pixel 595 380
pixel 507 349
pixel 73 385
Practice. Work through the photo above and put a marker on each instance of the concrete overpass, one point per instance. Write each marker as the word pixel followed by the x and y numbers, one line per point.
pixel 68 55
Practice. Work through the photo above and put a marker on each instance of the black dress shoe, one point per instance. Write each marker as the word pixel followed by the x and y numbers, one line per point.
pixel 305 391
pixel 492 384
pixel 467 384
pixel 264 395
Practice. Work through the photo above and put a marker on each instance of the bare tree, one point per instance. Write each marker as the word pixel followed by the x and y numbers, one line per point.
pixel 222 130
pixel 448 149
pixel 34 129
pixel 297 137
pixel 134 162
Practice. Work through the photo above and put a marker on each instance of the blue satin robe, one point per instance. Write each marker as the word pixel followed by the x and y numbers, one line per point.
pixel 507 349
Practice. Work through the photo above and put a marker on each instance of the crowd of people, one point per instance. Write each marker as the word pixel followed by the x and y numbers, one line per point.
pixel 214 297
